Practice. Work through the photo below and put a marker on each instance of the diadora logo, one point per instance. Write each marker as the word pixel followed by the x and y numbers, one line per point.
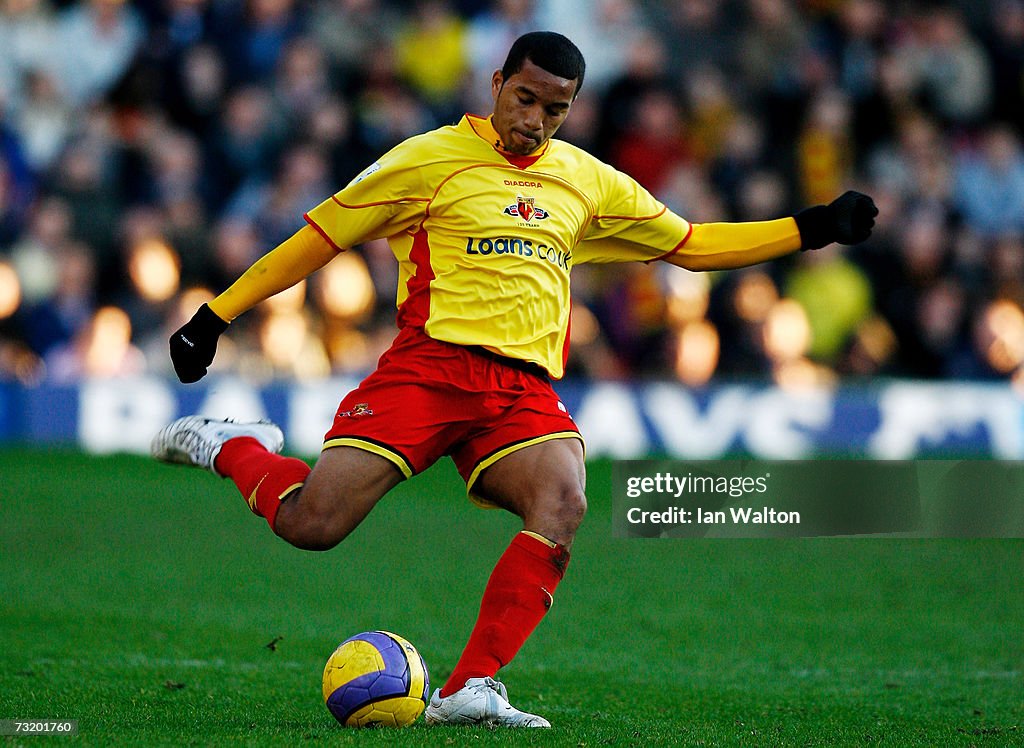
pixel 360 409
pixel 527 209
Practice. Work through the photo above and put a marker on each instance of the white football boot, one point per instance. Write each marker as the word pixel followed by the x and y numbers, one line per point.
pixel 482 701
pixel 197 440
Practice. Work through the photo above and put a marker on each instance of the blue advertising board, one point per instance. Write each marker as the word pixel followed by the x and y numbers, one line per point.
pixel 889 420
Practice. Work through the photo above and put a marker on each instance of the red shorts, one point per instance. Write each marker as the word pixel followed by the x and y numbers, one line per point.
pixel 429 398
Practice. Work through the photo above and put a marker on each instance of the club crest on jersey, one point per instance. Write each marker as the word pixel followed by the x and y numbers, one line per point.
pixel 527 209
pixel 361 409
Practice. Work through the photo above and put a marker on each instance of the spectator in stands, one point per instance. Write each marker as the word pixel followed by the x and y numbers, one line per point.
pixel 488 34
pixel 195 86
pixel 836 296
pixel 59 316
pixel 436 34
pixel 331 130
pixel 741 153
pixel 388 111
pixel 1005 42
pixel 244 146
pixel 17 361
pixel 643 71
pixel 43 119
pixel 350 32
pixel 711 109
pixel 17 182
pixel 272 205
pixel 95 43
pixel 253 35
pixel 27 32
pixel 825 149
pixel 990 184
pixel 950 65
pixel 656 143
pixel 859 50
pixel 34 254
pixel 301 82
pixel 702 32
pixel 84 181
pixel 772 47
pixel 103 348
pixel 604 30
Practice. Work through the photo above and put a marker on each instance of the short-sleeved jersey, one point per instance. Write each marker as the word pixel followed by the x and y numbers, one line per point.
pixel 485 240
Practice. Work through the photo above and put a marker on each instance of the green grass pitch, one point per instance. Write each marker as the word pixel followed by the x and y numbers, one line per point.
pixel 140 599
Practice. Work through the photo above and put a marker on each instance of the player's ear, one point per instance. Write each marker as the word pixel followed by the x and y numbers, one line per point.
pixel 497 81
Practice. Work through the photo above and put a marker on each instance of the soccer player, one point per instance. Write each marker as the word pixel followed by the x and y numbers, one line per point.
pixel 486 219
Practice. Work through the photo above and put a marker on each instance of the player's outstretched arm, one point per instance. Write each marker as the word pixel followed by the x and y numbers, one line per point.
pixel 194 345
pixel 723 246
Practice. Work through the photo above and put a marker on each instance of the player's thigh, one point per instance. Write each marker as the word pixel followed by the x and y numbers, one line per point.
pixel 544 484
pixel 344 485
pixel 350 476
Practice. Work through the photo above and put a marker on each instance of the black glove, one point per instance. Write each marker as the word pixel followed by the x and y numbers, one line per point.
pixel 848 220
pixel 194 344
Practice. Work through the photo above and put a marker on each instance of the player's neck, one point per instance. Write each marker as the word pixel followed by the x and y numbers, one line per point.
pixel 484 129
pixel 488 131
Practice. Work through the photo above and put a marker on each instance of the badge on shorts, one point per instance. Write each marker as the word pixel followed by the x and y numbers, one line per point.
pixel 360 409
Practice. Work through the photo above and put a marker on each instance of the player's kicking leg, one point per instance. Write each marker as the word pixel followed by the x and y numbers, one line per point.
pixel 543 484
pixel 311 509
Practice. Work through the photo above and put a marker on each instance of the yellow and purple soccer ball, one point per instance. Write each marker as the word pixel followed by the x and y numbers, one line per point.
pixel 376 679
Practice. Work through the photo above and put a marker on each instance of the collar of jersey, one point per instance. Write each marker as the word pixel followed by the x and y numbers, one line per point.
pixel 484 130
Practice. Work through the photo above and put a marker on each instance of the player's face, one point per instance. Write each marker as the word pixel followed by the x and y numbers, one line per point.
pixel 529 107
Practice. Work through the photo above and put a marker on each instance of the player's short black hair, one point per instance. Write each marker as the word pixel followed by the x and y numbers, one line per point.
pixel 549 51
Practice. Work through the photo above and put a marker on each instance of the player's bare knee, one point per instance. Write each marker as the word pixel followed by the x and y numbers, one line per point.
pixel 316 541
pixel 573 508
pixel 311 533
pixel 309 525
pixel 558 515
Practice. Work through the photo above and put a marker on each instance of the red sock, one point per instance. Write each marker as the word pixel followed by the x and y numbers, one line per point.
pixel 264 478
pixel 517 596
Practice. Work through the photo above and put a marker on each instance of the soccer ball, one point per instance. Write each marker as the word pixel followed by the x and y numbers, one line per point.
pixel 376 679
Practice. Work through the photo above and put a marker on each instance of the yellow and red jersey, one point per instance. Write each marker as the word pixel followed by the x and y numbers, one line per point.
pixel 486 240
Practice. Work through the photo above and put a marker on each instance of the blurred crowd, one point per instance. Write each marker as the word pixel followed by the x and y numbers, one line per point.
pixel 150 150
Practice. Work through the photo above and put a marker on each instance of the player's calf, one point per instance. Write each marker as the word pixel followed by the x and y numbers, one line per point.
pixel 343 487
